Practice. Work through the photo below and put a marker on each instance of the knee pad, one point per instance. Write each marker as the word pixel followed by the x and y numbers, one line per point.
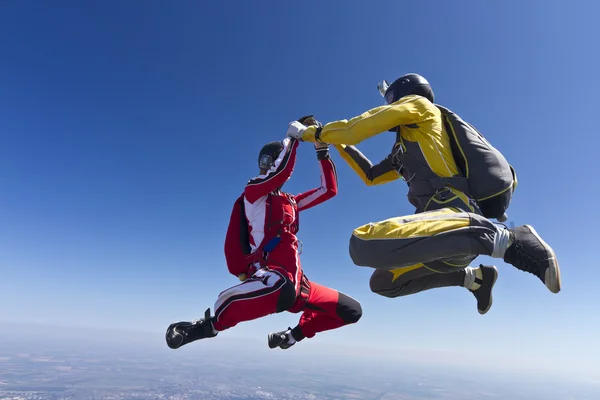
pixel 383 286
pixel 379 281
pixel 386 293
pixel 357 251
pixel 287 297
pixel 348 309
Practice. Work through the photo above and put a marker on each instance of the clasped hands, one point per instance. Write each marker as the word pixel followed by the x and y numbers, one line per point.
pixel 296 129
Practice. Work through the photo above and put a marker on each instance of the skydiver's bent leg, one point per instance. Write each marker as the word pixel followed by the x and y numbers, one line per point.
pixel 414 279
pixel 326 309
pixel 450 237
pixel 426 237
pixel 323 309
pixel 268 291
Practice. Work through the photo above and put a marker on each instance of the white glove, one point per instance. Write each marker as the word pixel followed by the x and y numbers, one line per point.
pixel 295 130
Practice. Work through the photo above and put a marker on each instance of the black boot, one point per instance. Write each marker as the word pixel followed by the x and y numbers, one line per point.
pixel 529 253
pixel 181 333
pixel 280 339
pixel 483 294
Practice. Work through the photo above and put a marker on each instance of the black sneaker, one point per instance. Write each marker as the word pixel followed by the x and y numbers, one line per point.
pixel 279 339
pixel 181 333
pixel 530 253
pixel 483 295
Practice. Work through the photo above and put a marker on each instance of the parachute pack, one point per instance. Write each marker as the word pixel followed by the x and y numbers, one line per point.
pixel 237 244
pixel 492 180
pixel 486 176
pixel 238 253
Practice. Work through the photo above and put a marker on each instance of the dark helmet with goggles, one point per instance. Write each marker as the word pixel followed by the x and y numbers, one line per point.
pixel 268 154
pixel 406 85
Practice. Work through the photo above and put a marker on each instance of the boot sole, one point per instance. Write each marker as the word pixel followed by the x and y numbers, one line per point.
pixel 270 341
pixel 170 337
pixel 271 346
pixel 491 289
pixel 552 278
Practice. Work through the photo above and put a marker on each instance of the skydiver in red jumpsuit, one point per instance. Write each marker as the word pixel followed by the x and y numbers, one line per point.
pixel 277 282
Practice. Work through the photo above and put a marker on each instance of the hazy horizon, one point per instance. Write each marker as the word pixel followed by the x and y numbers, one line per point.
pixel 228 343
pixel 92 361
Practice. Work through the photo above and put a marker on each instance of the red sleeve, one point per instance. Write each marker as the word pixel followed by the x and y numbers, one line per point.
pixel 328 188
pixel 280 172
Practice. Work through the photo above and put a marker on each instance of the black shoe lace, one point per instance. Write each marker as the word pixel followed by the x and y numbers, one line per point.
pixel 525 261
pixel 196 330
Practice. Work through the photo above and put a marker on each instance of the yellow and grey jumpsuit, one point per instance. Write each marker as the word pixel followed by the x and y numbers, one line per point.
pixel 432 247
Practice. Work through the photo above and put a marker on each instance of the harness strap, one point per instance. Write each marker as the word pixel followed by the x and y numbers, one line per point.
pixel 262 252
pixel 304 288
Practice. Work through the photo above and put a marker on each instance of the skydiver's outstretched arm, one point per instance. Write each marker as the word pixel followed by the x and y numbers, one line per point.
pixel 406 111
pixel 328 188
pixel 371 175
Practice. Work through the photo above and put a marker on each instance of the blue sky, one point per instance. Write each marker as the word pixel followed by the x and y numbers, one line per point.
pixel 128 129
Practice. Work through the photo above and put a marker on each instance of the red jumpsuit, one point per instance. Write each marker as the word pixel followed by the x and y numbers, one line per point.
pixel 279 284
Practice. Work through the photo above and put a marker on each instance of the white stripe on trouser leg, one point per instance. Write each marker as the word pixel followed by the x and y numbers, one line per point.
pixel 274 280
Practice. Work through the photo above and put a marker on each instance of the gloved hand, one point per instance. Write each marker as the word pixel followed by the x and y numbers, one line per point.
pixel 319 145
pixel 295 130
pixel 242 277
pixel 309 120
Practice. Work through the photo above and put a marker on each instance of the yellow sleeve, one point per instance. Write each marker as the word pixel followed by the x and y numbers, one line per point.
pixel 406 111
pixel 370 174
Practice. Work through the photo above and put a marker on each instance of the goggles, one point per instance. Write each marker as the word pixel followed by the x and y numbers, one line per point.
pixel 383 87
pixel 265 162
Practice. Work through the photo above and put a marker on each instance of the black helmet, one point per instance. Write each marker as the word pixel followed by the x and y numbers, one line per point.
pixel 268 154
pixel 406 85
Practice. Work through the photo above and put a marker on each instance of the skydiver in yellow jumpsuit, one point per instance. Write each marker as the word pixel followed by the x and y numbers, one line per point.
pixel 434 247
